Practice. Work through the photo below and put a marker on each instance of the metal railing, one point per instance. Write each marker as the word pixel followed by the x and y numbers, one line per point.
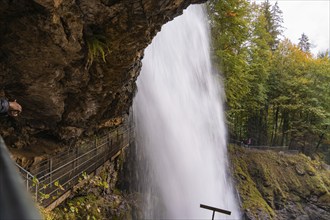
pixel 263 147
pixel 53 177
pixel 14 201
pixel 29 179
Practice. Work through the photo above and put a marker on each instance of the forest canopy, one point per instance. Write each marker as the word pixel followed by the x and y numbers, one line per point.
pixel 278 93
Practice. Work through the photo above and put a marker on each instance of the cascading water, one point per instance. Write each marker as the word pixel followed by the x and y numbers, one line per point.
pixel 180 124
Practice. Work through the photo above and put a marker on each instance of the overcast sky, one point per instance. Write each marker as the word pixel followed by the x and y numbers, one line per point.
pixel 307 16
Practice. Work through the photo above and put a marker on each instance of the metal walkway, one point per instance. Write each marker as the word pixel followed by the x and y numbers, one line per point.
pixel 14 201
pixel 52 178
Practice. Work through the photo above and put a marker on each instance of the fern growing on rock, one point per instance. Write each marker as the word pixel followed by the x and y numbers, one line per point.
pixel 98 48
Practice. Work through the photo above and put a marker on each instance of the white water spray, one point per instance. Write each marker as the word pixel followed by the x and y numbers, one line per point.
pixel 180 123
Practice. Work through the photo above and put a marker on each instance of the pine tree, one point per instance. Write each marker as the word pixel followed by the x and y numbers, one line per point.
pixel 304 43
pixel 277 93
pixel 274 20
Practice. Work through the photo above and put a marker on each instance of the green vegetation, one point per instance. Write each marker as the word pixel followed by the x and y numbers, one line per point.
pixel 96 197
pixel 277 92
pixel 97 48
pixel 270 181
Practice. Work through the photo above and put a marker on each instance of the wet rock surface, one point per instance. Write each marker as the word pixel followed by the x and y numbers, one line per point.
pixel 281 186
pixel 72 65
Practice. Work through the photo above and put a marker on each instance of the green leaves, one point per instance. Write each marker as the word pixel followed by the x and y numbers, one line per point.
pixel 97 48
pixel 277 93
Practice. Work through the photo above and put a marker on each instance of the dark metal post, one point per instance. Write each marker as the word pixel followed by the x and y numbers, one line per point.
pixel 50 170
pixel 215 210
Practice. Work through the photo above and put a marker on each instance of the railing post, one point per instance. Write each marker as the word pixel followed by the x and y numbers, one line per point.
pixel 27 181
pixel 109 145
pixel 76 161
pixel 116 140
pixel 95 146
pixel 37 183
pixel 50 170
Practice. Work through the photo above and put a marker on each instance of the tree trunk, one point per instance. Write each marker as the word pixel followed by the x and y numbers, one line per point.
pixel 274 141
pixel 285 127
pixel 319 142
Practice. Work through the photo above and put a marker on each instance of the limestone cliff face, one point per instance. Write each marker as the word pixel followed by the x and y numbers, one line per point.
pixel 72 64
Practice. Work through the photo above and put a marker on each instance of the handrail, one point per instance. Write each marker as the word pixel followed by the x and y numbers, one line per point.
pixel 214 209
pixel 86 161
pixel 14 201
pixel 25 171
pixel 73 177
pixel 58 155
pixel 64 165
pixel 67 171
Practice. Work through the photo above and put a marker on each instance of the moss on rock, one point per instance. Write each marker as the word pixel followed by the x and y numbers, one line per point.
pixel 97 197
pixel 273 185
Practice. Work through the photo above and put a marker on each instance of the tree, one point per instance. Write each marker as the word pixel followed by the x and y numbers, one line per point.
pixel 230 32
pixel 299 96
pixel 274 21
pixel 323 54
pixel 260 53
pixel 304 43
pixel 277 93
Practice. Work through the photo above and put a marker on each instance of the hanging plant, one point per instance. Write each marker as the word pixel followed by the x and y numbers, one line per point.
pixel 98 48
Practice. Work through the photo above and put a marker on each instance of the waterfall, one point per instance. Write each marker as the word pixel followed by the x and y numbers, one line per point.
pixel 180 124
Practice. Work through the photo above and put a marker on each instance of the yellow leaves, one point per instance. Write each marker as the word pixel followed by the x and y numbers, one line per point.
pixel 231 14
pixel 57 184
